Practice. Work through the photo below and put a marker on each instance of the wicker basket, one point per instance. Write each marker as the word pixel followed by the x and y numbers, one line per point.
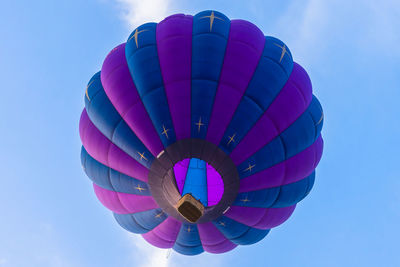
pixel 190 208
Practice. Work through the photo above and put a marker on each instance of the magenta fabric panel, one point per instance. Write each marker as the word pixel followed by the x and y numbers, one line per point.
pixel 110 201
pixel 243 51
pixel 101 149
pixel 157 241
pixel 165 234
pixel 222 247
pixel 209 234
pixel 180 170
pixel 215 186
pixel 213 240
pixel 120 89
pixel 260 218
pixel 289 171
pixel 290 103
pixel 124 203
pixel 174 46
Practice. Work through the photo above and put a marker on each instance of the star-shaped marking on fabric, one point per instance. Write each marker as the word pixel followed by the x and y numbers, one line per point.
pixel 158 215
pixel 250 167
pixel 138 187
pixel 165 131
pixel 245 200
pixel 212 17
pixel 231 139
pixel 284 51
pixel 87 87
pixel 142 156
pixel 135 35
pixel 322 117
pixel 199 124
pixel 189 229
pixel 221 223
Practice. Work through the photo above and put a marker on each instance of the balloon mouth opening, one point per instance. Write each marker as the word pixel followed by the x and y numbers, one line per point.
pixel 199 179
pixel 193 180
pixel 200 186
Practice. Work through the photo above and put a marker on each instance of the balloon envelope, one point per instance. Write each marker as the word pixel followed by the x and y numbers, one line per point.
pixel 206 106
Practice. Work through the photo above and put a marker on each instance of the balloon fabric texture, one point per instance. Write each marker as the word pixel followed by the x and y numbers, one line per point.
pixel 205 107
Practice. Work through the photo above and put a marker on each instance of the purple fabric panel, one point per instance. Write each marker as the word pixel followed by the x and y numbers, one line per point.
pixel 101 149
pixel 243 51
pixel 290 103
pixel 123 203
pixel 213 240
pixel 174 46
pixel 180 170
pixel 286 172
pixel 120 89
pixel 215 186
pixel 275 217
pixel 165 234
pixel 260 218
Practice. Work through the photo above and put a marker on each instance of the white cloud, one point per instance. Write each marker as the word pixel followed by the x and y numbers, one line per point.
pixel 149 255
pixel 137 12
pixel 383 24
pixel 315 28
pixel 302 26
pixel 146 255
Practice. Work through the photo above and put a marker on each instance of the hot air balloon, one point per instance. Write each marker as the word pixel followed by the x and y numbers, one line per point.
pixel 200 133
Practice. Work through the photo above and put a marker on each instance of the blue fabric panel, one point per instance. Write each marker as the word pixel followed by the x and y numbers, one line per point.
pixel 305 127
pixel 190 251
pixel 188 240
pixel 260 198
pixel 196 180
pixel 145 70
pixel 253 235
pixel 141 222
pixel 297 137
pixel 277 197
pixel 111 179
pixel 269 78
pixel 109 122
pixel 269 155
pixel 317 115
pixel 247 113
pixel 239 233
pixel 208 51
pixel 129 223
pixel 295 192
pixel 188 235
pixel 231 229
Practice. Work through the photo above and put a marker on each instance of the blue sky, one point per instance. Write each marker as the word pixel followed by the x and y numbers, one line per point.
pixel 49 213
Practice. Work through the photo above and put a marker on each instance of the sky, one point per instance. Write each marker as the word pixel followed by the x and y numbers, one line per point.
pixel 49 213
